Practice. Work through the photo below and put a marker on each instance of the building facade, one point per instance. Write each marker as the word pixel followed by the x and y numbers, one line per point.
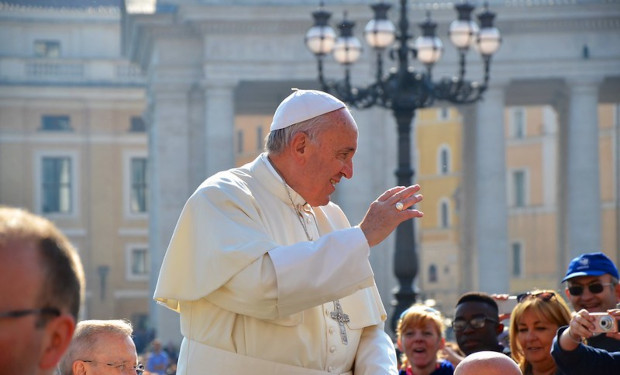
pixel 73 144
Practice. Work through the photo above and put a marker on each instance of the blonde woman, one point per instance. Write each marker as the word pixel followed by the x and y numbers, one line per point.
pixel 533 325
pixel 420 338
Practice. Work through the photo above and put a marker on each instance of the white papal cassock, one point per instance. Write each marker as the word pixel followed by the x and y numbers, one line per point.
pixel 256 297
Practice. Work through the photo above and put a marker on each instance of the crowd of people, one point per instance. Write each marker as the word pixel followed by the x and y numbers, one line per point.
pixel 269 277
pixel 545 337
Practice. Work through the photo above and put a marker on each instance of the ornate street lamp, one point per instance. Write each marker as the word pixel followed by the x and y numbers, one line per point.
pixel 404 90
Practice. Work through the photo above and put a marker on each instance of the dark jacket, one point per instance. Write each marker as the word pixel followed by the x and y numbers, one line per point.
pixel 585 360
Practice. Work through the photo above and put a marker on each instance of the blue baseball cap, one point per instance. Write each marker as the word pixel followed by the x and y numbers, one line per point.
pixel 591 264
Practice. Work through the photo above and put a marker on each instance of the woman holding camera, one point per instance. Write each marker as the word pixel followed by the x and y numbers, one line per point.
pixel 575 358
pixel 533 325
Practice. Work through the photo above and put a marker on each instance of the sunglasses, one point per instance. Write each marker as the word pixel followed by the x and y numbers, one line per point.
pixel 577 290
pixel 545 296
pixel 427 309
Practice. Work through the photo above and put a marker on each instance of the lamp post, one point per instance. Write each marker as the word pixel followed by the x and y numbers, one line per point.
pixel 404 90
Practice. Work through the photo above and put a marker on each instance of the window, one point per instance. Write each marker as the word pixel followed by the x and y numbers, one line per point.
pixel 432 273
pixel 137 262
pixel 444 214
pixel 137 125
pixel 518 123
pixel 519 188
pixel 139 185
pixel 259 138
pixel 56 185
pixel 516 259
pixel 443 160
pixel 240 142
pixel 55 123
pixel 47 48
pixel 443 113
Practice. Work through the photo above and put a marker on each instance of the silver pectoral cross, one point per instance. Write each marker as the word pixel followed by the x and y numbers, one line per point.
pixel 341 318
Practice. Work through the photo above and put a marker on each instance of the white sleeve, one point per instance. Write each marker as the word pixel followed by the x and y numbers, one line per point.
pixel 290 279
pixel 375 353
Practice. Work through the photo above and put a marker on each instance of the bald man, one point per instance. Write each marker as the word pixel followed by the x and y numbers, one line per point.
pixel 487 363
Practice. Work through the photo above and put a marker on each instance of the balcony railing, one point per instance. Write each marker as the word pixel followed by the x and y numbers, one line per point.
pixel 66 71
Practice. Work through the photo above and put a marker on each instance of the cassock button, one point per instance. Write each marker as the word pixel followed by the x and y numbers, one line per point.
pixel 331 330
pixel 332 349
pixel 330 369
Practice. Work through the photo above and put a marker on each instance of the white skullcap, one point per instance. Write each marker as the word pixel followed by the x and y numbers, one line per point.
pixel 303 105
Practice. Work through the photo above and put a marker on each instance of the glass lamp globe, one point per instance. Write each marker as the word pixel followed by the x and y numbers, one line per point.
pixel 488 41
pixel 347 50
pixel 429 49
pixel 320 40
pixel 463 33
pixel 379 33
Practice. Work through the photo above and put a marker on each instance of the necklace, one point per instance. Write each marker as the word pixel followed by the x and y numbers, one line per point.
pixel 290 198
pixel 297 211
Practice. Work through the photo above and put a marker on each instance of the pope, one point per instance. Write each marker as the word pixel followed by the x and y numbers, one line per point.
pixel 267 273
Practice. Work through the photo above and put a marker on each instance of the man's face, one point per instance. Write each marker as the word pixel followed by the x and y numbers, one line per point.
pixel 112 354
pixel 593 302
pixel 21 339
pixel 329 158
pixel 470 339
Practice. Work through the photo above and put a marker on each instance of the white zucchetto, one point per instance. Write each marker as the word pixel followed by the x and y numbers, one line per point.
pixel 303 105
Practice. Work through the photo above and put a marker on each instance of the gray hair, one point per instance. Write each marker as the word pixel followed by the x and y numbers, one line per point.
pixel 277 140
pixel 86 335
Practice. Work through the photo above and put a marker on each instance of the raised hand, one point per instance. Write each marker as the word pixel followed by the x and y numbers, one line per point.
pixel 388 211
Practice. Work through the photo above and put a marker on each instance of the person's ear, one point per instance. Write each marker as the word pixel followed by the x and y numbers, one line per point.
pixel 400 346
pixel 442 343
pixel 567 293
pixel 299 147
pixel 500 328
pixel 617 292
pixel 78 368
pixel 300 142
pixel 56 339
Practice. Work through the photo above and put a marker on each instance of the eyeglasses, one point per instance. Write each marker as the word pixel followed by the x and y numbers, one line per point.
pixel 545 296
pixel 122 367
pixel 475 323
pixel 577 290
pixel 20 313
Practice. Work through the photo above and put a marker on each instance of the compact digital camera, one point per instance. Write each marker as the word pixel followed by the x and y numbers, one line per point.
pixel 604 323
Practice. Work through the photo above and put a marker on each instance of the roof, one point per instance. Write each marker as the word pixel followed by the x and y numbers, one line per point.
pixel 74 4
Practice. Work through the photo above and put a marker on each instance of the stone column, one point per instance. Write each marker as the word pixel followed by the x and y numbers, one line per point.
pixel 466 200
pixel 168 186
pixel 582 203
pixel 219 125
pixel 491 212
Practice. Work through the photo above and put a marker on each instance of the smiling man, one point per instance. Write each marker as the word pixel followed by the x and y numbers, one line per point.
pixel 476 323
pixel 267 273
pixel 592 284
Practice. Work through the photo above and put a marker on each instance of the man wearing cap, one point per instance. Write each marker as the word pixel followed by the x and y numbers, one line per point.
pixel 592 284
pixel 267 274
